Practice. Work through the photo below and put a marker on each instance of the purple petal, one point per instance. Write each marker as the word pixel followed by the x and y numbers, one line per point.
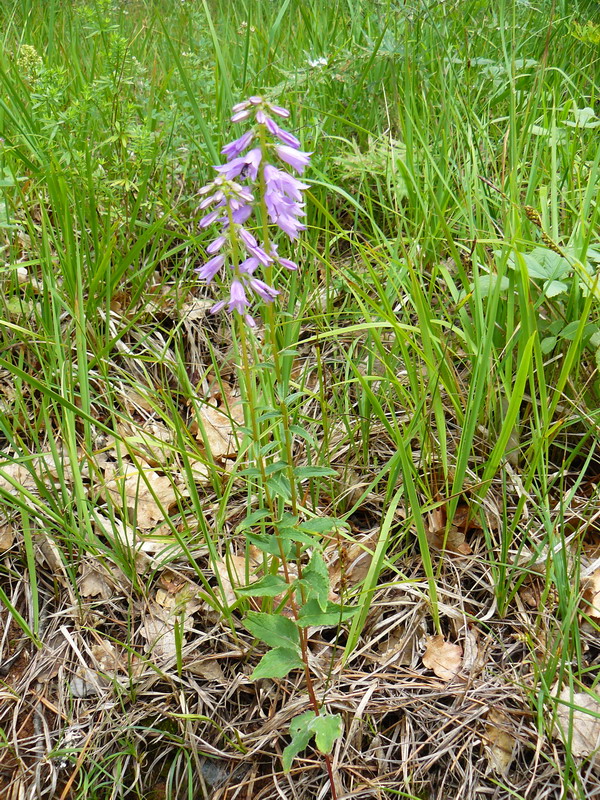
pixel 249 265
pixel 240 215
pixel 238 146
pixel 249 321
pixel 233 168
pixel 215 246
pixel 253 248
pixel 237 298
pixel 240 116
pixel 208 271
pixel 285 262
pixel 247 237
pixel 283 182
pixel 218 307
pixel 278 110
pixel 284 136
pixel 209 218
pixel 253 158
pixel 263 290
pixel 297 159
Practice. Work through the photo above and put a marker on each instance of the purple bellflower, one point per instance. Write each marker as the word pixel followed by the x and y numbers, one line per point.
pixel 255 161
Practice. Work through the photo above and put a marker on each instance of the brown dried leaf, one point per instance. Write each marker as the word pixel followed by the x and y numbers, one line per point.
pixel 454 541
pixel 101 579
pixel 214 426
pixel 232 574
pixel 200 472
pixel 7 535
pixel 115 531
pixel 207 668
pixel 152 442
pixel 47 551
pixel 577 725
pixel 158 629
pixel 11 474
pixel 107 657
pixel 499 743
pixel 402 645
pixel 591 595
pixel 131 490
pixel 195 308
pixel 350 561
pixel 443 658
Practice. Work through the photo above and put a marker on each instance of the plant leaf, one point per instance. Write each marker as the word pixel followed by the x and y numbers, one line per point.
pixel 314 472
pixel 316 580
pixel 268 543
pixel 297 745
pixel 273 629
pixel 277 663
pixel 322 524
pixel 253 519
pixel 269 586
pixel 312 614
pixel 327 728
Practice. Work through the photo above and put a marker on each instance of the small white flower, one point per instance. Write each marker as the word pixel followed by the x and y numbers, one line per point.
pixel 317 62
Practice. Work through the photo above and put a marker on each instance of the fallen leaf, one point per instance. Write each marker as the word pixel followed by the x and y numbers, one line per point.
pixel 591 595
pixel 195 308
pixel 159 631
pixel 577 726
pixel 14 478
pixel 207 668
pixel 47 551
pixel 115 531
pixel 87 683
pixel 90 681
pixel 443 658
pixel 232 574
pixel 135 402
pixel 106 657
pixel 97 580
pixel 200 471
pixel 214 425
pixel 350 561
pixel 470 650
pixel 402 644
pixel 7 535
pixel 452 540
pixel 153 442
pixel 130 491
pixel 158 626
pixel 499 744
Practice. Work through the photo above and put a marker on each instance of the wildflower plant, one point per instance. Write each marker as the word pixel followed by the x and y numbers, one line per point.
pixel 247 182
pixel 256 195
